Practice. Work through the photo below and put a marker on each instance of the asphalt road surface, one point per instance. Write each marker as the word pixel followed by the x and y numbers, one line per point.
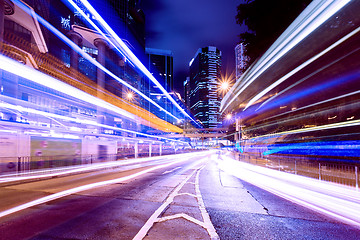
pixel 192 199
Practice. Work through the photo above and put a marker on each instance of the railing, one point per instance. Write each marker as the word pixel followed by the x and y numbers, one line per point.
pixel 344 172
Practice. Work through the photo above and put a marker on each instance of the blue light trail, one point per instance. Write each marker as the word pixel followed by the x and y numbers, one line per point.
pixel 93 61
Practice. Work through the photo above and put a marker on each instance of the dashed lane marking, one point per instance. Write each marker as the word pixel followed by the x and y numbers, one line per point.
pixel 170 171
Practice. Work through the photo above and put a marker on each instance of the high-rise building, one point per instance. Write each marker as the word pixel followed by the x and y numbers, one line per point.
pixel 133 19
pixel 187 92
pixel 241 60
pixel 160 64
pixel 205 69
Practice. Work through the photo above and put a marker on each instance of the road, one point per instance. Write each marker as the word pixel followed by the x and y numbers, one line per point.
pixel 188 199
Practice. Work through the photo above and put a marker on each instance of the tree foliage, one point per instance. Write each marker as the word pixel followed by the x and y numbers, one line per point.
pixel 266 20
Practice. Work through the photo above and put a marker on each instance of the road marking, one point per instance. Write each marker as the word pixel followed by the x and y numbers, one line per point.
pixel 208 224
pixel 155 216
pixel 170 171
pixel 83 188
pixel 190 183
pixel 191 195
pixel 150 222
pixel 182 215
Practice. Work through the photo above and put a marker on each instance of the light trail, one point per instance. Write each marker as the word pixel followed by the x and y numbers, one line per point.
pixel 125 50
pixel 85 168
pixel 317 128
pixel 340 202
pixel 89 58
pixel 298 68
pixel 90 186
pixel 81 121
pixel 306 78
pixel 324 148
pixel 308 21
pixel 316 104
pixel 33 75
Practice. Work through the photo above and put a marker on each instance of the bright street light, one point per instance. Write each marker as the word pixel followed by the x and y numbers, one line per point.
pixel 129 95
pixel 224 86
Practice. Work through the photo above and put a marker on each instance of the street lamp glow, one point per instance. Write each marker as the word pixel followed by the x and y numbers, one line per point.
pixel 224 86
pixel 225 82
pixel 129 95
pixel 228 116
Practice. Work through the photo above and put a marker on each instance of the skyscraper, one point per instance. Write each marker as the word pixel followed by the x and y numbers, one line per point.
pixel 160 64
pixel 205 70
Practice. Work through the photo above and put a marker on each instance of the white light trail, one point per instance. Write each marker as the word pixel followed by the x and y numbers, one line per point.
pixel 307 77
pixel 33 75
pixel 46 173
pixel 77 120
pixel 88 187
pixel 298 68
pixel 334 200
pixel 309 20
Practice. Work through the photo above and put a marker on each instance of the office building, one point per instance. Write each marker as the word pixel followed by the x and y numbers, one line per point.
pixel 205 69
pixel 160 64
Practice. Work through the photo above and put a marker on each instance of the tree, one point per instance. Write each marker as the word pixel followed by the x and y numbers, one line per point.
pixel 266 20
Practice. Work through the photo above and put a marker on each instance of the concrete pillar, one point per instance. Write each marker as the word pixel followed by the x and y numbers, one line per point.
pixel 74 56
pixel 136 148
pixel 150 146
pixel 100 79
pixel 101 44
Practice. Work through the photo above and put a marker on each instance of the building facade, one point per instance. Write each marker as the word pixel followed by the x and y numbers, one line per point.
pixel 205 71
pixel 44 49
pixel 241 60
pixel 160 63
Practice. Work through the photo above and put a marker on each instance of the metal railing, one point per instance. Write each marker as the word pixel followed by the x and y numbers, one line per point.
pixel 341 171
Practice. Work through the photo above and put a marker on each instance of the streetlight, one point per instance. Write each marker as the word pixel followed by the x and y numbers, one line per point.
pixel 224 86
pixel 129 96
pixel 225 83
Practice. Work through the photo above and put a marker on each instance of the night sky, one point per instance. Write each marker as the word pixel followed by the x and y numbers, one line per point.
pixel 183 26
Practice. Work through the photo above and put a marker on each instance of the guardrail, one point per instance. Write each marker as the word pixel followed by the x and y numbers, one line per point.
pixel 341 171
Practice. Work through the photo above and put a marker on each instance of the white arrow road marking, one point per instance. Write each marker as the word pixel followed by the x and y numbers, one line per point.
pixel 155 217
